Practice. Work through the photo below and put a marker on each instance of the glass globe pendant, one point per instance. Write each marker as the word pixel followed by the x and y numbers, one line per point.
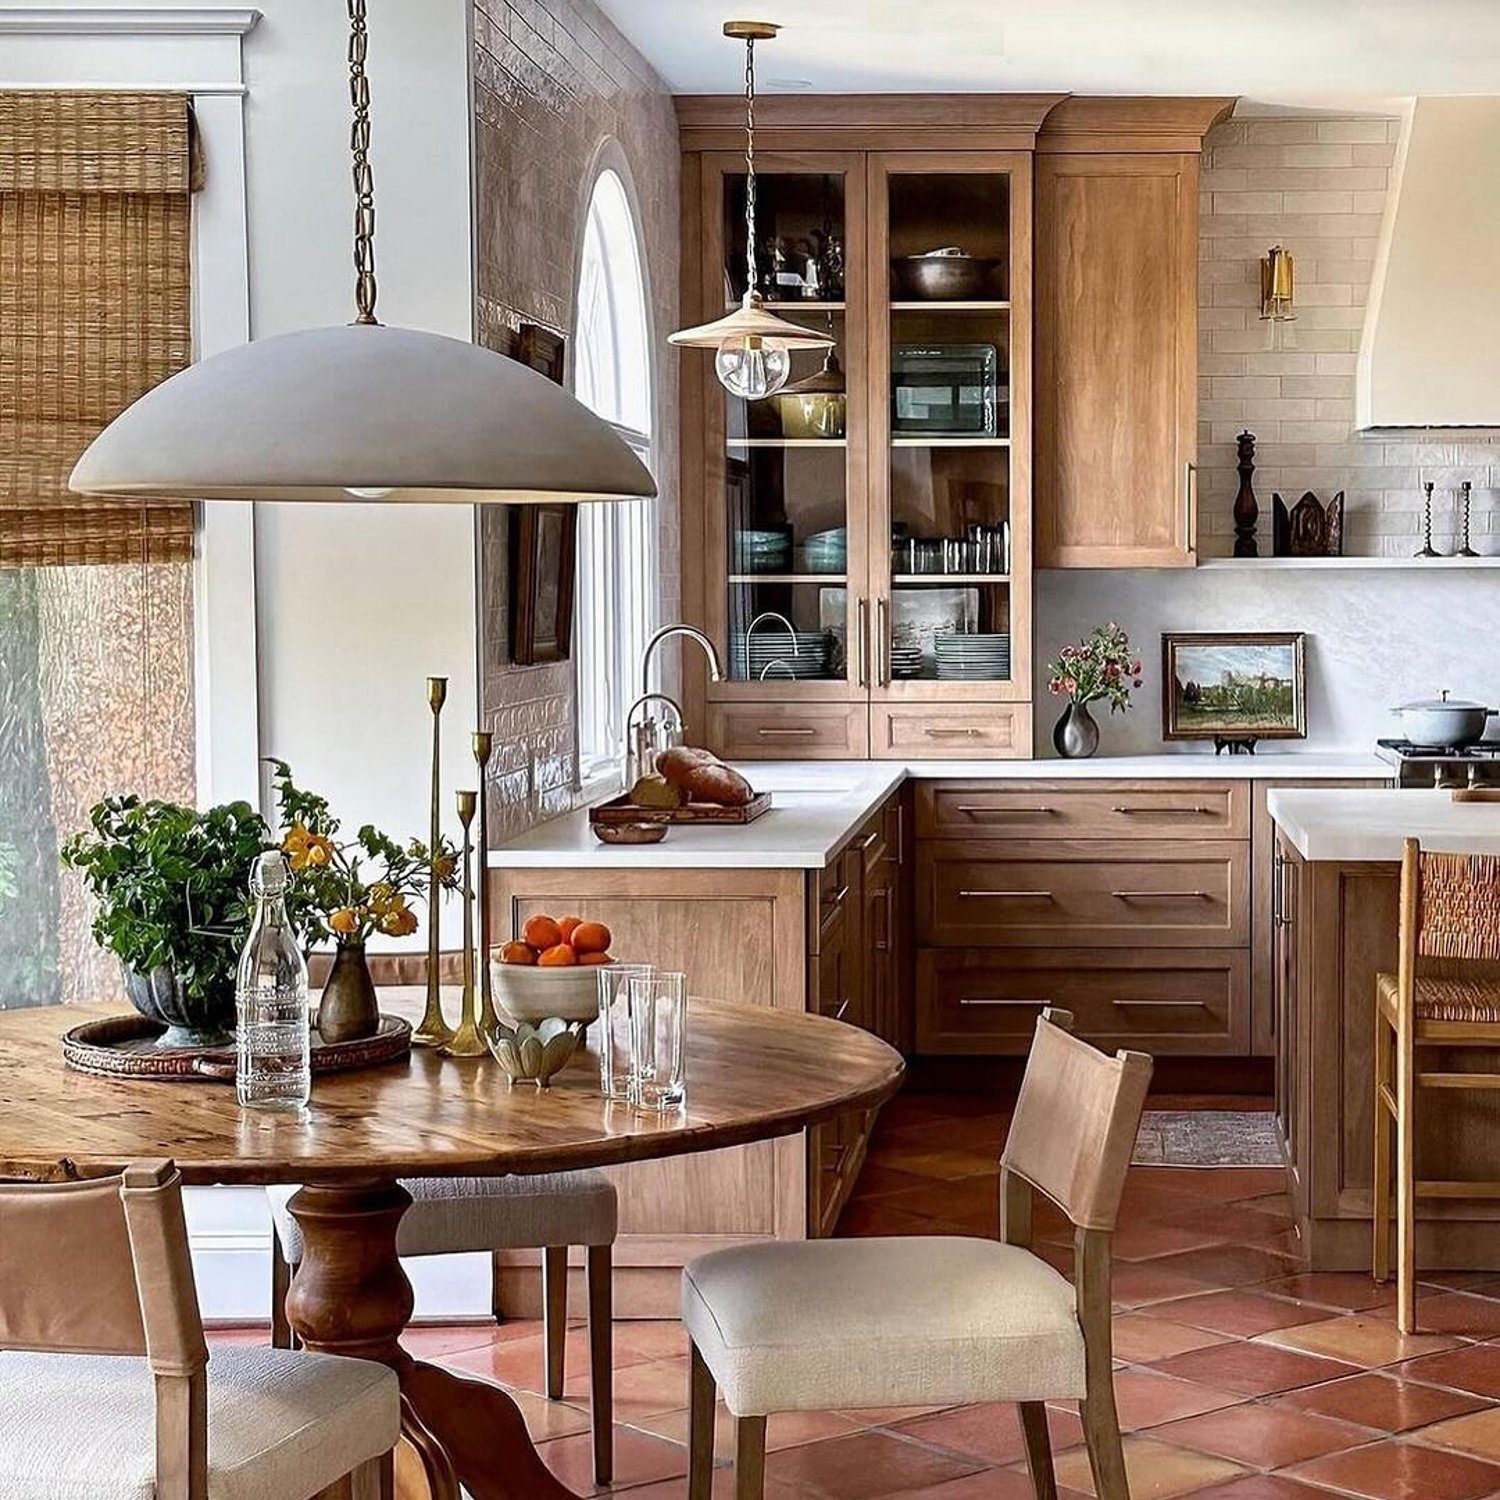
pixel 753 347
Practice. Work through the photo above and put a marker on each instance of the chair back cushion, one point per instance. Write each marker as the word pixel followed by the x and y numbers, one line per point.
pixel 1075 1123
pixel 1459 906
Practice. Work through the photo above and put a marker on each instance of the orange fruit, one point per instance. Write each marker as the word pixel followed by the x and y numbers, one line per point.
pixel 592 937
pixel 565 925
pixel 541 932
pixel 518 953
pixel 595 958
pixel 559 956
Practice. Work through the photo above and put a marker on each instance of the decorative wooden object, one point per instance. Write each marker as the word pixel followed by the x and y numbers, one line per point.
pixel 350 1295
pixel 124 1047
pixel 621 810
pixel 1309 529
pixel 1246 509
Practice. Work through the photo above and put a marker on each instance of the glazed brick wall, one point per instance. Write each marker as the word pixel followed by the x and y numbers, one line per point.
pixel 1319 188
pixel 553 79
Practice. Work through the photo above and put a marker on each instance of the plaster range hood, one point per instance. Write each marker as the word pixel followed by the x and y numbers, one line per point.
pixel 1430 352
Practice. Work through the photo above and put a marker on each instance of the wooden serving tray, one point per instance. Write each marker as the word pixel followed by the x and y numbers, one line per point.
pixel 124 1047
pixel 622 810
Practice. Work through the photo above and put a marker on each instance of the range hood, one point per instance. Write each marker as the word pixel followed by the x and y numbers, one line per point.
pixel 1430 352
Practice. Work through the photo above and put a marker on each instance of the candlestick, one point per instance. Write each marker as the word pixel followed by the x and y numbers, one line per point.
pixel 1465 499
pixel 433 1030
pixel 482 744
pixel 1428 550
pixel 466 1041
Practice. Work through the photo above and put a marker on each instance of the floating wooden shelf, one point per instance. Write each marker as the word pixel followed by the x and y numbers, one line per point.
pixel 1413 564
pixel 950 442
pixel 907 578
pixel 832 578
pixel 982 306
pixel 768 442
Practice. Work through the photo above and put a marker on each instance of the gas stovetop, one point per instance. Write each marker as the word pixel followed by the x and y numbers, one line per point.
pixel 1397 751
pixel 1474 764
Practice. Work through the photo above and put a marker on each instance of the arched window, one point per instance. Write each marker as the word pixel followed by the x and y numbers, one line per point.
pixel 616 599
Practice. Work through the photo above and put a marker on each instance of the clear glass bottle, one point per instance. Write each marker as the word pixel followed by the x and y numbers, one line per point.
pixel 272 1069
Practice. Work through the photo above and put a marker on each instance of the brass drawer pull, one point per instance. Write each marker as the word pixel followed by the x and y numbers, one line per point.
pixel 1006 895
pixel 1002 812
pixel 1143 812
pixel 869 838
pixel 953 734
pixel 1162 1004
pixel 1160 895
pixel 803 733
pixel 837 897
pixel 838 1015
pixel 981 1000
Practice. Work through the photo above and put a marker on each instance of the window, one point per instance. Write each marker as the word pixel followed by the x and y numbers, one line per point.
pixel 616 599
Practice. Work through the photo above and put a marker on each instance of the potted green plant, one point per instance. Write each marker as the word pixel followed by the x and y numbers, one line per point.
pixel 1100 667
pixel 170 887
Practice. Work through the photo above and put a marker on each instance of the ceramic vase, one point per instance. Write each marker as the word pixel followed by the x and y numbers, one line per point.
pixel 348 1009
pixel 204 1020
pixel 1075 736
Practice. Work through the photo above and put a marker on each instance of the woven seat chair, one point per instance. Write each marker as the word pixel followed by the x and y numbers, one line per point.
pixel 453 1215
pixel 926 1321
pixel 1449 924
pixel 107 1388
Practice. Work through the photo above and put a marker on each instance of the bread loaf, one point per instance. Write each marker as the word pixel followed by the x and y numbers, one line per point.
pixel 656 791
pixel 704 777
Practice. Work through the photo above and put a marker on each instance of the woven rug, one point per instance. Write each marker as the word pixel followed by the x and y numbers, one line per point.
pixel 1207 1138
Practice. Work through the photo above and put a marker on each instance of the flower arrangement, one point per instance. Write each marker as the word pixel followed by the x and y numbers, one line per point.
pixel 345 891
pixel 1101 665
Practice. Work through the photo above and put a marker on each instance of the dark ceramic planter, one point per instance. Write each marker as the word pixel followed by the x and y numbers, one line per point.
pixel 1075 736
pixel 348 1009
pixel 191 1020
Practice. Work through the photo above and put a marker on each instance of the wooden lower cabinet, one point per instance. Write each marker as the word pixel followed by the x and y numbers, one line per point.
pixel 785 731
pixel 944 731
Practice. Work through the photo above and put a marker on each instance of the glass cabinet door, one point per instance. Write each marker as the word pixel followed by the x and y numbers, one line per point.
pixel 950 511
pixel 785 508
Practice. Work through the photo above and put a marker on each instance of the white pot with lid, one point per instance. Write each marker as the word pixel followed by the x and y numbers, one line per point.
pixel 1441 723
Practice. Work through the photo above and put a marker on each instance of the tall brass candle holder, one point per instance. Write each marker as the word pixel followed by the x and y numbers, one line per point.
pixel 483 744
pixel 433 1030
pixel 466 1041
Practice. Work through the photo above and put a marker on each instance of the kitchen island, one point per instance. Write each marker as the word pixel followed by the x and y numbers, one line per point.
pixel 1336 881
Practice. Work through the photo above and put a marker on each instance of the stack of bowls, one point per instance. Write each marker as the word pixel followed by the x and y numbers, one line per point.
pixel 827 551
pixel 768 551
pixel 769 653
pixel 972 658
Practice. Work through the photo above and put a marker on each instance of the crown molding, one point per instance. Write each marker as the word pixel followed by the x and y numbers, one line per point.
pixel 156 20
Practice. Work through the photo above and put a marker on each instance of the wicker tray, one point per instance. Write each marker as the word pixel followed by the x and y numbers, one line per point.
pixel 622 810
pixel 123 1047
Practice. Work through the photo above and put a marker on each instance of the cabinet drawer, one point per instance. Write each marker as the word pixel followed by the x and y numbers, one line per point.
pixel 1091 810
pixel 948 731
pixel 1153 1000
pixel 781 731
pixel 1102 894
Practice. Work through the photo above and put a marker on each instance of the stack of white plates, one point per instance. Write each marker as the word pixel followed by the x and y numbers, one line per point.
pixel 769 652
pixel 906 661
pixel 972 658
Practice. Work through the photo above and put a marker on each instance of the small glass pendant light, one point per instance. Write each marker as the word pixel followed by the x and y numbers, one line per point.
pixel 753 357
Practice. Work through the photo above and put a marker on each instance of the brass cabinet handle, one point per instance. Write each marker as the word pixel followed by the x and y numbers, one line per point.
pixel 838 1015
pixel 803 733
pixel 1144 812
pixel 991 1000
pixel 1189 508
pixel 1162 1004
pixel 953 734
pixel 1007 895
pixel 976 810
pixel 882 643
pixel 838 895
pixel 1160 895
pixel 869 838
pixel 862 640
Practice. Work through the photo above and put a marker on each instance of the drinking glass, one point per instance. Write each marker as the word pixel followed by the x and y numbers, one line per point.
pixel 616 1050
pixel 658 1028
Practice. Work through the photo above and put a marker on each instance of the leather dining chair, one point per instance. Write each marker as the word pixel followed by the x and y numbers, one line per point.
pixel 107 1387
pixel 455 1215
pixel 822 1325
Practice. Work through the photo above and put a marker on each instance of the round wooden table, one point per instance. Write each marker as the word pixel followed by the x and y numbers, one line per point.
pixel 752 1073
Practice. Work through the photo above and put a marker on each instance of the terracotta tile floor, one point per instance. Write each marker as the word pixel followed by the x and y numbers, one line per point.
pixel 1239 1377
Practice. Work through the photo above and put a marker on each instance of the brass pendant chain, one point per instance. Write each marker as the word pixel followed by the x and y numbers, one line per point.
pixel 750 270
pixel 364 178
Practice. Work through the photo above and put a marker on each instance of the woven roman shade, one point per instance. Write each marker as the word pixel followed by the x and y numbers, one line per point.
pixel 95 309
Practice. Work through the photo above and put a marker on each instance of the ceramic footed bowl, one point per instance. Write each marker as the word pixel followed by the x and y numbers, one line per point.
pixel 532 1054
pixel 526 992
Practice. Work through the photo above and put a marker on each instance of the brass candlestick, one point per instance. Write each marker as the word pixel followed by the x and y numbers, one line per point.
pixel 466 1041
pixel 433 1030
pixel 483 744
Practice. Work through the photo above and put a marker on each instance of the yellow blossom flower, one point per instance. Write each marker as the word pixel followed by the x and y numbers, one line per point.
pixel 344 921
pixel 399 922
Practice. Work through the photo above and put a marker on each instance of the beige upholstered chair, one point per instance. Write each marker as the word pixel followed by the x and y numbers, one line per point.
pixel 106 1384
pixel 1450 922
pixel 926 1321
pixel 460 1214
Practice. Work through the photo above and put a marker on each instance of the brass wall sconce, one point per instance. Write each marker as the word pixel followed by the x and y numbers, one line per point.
pixel 1277 289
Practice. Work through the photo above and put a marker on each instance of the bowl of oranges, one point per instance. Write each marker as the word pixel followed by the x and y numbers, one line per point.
pixel 551 969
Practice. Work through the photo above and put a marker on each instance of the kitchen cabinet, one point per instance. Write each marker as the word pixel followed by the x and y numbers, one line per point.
pixel 1117 331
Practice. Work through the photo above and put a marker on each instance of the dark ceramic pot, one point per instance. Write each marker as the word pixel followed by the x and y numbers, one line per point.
pixel 191 1020
pixel 1075 735
pixel 348 1009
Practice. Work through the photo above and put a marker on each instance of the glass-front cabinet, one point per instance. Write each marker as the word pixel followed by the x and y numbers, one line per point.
pixel 865 531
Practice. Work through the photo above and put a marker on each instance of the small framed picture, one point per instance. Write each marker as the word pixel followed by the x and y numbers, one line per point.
pixel 1233 687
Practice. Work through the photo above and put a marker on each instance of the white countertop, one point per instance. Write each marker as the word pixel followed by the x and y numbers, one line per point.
pixel 1347 824
pixel 818 805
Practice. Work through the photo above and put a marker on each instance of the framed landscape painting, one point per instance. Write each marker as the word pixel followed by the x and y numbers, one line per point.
pixel 1232 687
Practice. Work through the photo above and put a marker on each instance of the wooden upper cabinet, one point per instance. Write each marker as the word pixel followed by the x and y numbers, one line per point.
pixel 1117 331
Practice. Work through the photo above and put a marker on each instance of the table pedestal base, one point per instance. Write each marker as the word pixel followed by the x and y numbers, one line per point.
pixel 350 1296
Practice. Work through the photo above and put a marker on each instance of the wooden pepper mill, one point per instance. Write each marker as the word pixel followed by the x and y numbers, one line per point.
pixel 1246 508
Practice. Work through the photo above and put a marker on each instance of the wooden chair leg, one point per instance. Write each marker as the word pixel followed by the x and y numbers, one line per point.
pixel 281 1284
pixel 1101 1434
pixel 1038 1449
pixel 701 1398
pixel 555 1315
pixel 1406 1208
pixel 496 1311
pixel 600 1273
pixel 1380 1202
pixel 374 1479
pixel 749 1458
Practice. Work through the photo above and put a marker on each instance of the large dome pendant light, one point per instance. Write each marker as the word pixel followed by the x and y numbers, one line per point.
pixel 361 412
pixel 754 346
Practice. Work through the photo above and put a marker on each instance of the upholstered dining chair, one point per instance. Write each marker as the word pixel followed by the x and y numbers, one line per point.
pixel 107 1389
pixel 1450 924
pixel 454 1215
pixel 938 1321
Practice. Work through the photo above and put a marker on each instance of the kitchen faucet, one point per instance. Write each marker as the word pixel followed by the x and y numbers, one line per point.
pixel 715 672
pixel 647 737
